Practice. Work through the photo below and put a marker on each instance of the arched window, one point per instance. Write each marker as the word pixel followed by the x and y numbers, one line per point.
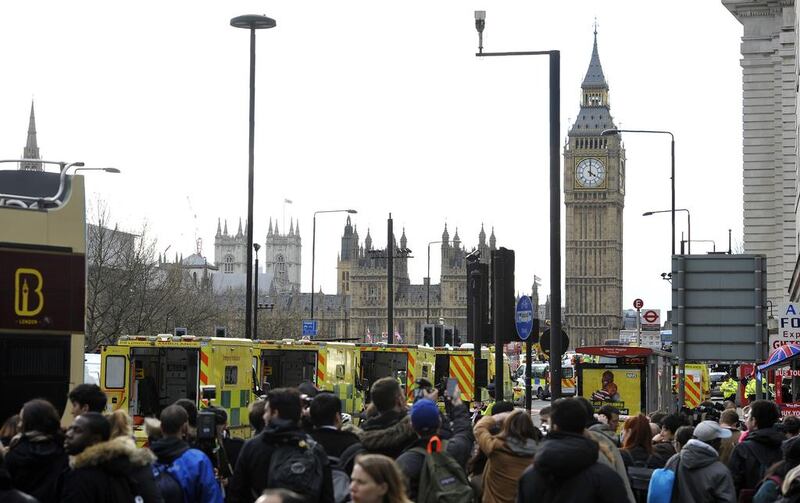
pixel 227 266
pixel 280 269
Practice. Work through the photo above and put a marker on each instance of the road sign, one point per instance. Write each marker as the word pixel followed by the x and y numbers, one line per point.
pixel 651 316
pixel 638 304
pixel 524 317
pixel 309 328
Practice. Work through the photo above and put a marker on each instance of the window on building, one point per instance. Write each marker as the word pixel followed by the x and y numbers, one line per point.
pixel 372 293
pixel 227 266
pixel 280 269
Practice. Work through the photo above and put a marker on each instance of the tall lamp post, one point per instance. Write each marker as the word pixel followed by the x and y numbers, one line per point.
pixel 256 247
pixel 680 339
pixel 688 224
pixel 555 190
pixel 314 248
pixel 428 286
pixel 251 22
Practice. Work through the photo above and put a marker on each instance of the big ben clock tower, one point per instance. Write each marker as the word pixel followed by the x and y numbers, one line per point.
pixel 594 196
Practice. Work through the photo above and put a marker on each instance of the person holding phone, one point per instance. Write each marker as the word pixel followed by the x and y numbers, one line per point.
pixel 426 420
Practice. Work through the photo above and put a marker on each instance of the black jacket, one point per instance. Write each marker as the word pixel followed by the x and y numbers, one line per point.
pixel 750 459
pixel 662 452
pixel 110 472
pixel 459 446
pixel 7 492
pixel 565 470
pixel 638 456
pixel 334 441
pixel 35 462
pixel 252 468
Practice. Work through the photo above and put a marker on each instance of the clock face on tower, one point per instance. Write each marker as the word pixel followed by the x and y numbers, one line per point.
pixel 590 173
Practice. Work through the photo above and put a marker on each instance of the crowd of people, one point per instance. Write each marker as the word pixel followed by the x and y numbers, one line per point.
pixel 303 451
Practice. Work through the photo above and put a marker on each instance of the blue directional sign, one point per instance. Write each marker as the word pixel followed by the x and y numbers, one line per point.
pixel 310 328
pixel 524 317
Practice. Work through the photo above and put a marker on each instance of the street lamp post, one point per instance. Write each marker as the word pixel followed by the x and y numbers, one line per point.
pixel 555 191
pixel 680 340
pixel 428 286
pixel 314 248
pixel 251 22
pixel 688 224
pixel 256 247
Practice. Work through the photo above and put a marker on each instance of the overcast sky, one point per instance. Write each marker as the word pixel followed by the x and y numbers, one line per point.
pixel 383 107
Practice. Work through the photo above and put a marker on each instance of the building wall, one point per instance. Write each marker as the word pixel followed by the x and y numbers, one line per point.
pixel 769 78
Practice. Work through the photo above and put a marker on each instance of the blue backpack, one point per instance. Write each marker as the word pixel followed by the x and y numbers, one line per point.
pixel 168 484
pixel 662 484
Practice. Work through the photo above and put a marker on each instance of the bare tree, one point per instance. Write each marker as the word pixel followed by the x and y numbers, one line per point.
pixel 131 291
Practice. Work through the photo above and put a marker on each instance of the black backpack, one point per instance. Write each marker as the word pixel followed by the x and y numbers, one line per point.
pixel 296 465
pixel 340 479
pixel 639 476
pixel 167 483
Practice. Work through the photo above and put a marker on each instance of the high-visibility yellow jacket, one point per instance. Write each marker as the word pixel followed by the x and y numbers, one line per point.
pixel 729 387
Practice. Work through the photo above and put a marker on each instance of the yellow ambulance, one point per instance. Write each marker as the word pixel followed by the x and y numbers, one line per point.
pixel 145 374
pixel 404 362
pixel 458 363
pixel 331 366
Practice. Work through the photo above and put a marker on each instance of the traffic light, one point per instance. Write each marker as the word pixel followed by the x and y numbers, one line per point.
pixel 448 336
pixel 478 300
pixel 503 304
pixel 456 338
pixel 438 338
pixel 427 335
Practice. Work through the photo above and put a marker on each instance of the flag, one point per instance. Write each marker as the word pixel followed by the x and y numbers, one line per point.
pixel 289 201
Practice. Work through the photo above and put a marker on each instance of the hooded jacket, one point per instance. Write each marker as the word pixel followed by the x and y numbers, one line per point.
pixel 565 470
pixel 111 472
pixel 252 468
pixel 611 456
pixel 191 467
pixel 507 459
pixel 35 461
pixel 751 458
pixel 388 433
pixel 459 446
pixel 700 475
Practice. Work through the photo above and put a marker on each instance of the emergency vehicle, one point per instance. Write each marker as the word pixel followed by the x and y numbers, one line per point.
pixel 404 362
pixel 331 366
pixel 458 363
pixel 540 380
pixel 144 374
pixel 698 384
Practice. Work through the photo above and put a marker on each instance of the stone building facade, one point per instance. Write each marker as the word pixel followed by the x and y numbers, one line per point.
pixel 594 196
pixel 769 79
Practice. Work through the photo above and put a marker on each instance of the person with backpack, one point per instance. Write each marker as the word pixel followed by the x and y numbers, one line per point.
pixel 282 456
pixel 759 450
pixel 565 466
pixel 182 473
pixel 510 452
pixel 700 476
pixel 637 445
pixel 769 490
pixel 103 470
pixel 419 462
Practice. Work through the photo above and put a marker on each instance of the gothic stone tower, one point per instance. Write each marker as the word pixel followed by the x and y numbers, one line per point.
pixel 594 196
pixel 31 150
pixel 282 258
pixel 229 250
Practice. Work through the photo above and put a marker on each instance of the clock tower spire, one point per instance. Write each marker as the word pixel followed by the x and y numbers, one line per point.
pixel 594 197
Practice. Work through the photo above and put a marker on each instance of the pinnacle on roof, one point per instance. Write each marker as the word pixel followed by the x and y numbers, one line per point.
pixel 239 232
pixel 297 228
pixel 291 227
pixel 403 240
pixel 594 75
pixel 31 150
pixel 456 239
pixel 225 232
pixel 219 228
pixel 368 241
pixel 445 234
pixel 269 231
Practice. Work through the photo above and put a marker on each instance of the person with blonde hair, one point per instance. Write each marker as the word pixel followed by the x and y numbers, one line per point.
pixel 377 479
pixel 121 424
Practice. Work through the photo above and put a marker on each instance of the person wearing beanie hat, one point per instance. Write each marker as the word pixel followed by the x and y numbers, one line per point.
pixel 699 474
pixel 426 423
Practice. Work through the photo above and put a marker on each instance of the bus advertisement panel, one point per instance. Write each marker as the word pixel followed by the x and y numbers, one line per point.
pixel 621 386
